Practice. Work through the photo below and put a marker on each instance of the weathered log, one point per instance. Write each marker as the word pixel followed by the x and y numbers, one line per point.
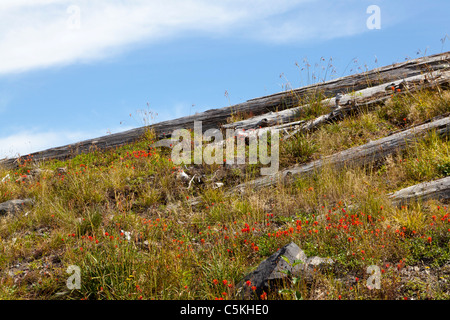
pixel 365 99
pixel 350 101
pixel 14 206
pixel 357 156
pixel 437 189
pixel 214 118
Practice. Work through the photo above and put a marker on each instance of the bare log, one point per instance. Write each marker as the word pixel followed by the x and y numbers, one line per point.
pixel 214 118
pixel 437 189
pixel 357 156
pixel 367 97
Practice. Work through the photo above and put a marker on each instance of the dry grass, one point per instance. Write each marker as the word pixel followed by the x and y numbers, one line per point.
pixel 83 217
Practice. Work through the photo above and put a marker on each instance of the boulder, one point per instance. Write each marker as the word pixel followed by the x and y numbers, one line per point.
pixel 13 206
pixel 288 261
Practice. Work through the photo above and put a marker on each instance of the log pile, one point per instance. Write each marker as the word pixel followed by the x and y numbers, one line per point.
pixel 357 156
pixel 433 67
pixel 281 112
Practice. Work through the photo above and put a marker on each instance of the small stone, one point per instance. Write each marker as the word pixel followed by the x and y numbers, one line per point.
pixel 62 170
pixel 14 206
pixel 277 267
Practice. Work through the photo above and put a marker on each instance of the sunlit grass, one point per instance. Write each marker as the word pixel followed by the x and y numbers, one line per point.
pixel 125 219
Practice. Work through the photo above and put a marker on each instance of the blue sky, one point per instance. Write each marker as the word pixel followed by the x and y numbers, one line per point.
pixel 77 69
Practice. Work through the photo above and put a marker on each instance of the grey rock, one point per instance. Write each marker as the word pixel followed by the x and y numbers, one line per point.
pixel 318 261
pixel 275 269
pixel 14 206
pixel 61 170
pixel 217 185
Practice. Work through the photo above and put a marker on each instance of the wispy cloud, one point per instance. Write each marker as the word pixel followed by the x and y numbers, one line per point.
pixel 29 141
pixel 42 33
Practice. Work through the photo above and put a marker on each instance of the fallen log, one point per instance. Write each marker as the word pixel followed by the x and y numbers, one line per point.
pixel 350 101
pixel 357 156
pixel 365 99
pixel 437 189
pixel 214 118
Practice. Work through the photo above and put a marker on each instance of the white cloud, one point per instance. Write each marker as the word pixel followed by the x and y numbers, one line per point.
pixel 29 141
pixel 40 33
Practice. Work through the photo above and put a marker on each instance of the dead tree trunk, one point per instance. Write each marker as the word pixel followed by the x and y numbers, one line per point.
pixel 357 156
pixel 437 189
pixel 367 97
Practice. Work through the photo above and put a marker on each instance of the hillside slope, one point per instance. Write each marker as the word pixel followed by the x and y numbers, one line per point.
pixel 139 226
